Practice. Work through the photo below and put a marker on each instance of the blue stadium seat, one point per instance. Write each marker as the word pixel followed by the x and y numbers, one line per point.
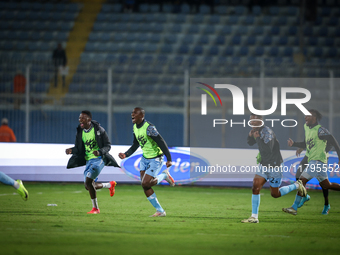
pixel 193 29
pixel 154 8
pixel 185 8
pixel 241 30
pixel 283 41
pixel 106 8
pixel 204 9
pixel 198 50
pixel 155 38
pixel 117 37
pixel 221 9
pixel 21 45
pixel 178 60
pixel 258 30
pixel 203 39
pixel 308 31
pixel 292 30
pixel 275 30
pixel 243 51
pixel 288 52
pixel 332 53
pixel 312 41
pixel 326 11
pixel 250 20
pixel 236 40
pixel 329 42
pixel 293 11
pixel 220 40
pixel 267 40
pixel 282 21
pixel 256 10
pixel 166 48
pixel 110 57
pixel 167 8
pixel 209 29
pixel 240 10
pixel 214 19
pixel 266 20
pixel 188 39
pixel 333 21
pixel 151 47
pixel 274 10
pixel 183 49
pixel 116 8
pixel 144 8
pixel 323 31
pixel 171 38
pixel 226 30
pixel 228 51
pixel 251 40
pixel 259 51
pixel 233 20
pixel 274 51
pixel 176 28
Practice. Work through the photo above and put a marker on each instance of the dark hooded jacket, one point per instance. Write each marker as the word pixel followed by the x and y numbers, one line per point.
pixel 78 151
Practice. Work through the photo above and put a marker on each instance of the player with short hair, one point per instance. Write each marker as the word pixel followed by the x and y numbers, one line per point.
pixel 18 185
pixel 92 148
pixel 270 168
pixel 316 140
pixel 154 147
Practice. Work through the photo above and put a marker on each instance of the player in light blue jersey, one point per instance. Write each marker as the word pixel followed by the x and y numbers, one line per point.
pixel 270 169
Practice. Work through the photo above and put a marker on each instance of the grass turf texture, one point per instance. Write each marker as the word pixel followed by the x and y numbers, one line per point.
pixel 200 220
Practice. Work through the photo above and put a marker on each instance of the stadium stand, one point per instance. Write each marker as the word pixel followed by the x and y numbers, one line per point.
pixel 149 49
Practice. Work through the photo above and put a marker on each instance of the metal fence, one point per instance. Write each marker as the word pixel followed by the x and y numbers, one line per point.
pixel 47 113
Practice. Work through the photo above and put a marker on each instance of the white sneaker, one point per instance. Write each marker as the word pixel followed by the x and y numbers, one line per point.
pixel 290 210
pixel 250 220
pixel 158 214
pixel 301 189
pixel 169 178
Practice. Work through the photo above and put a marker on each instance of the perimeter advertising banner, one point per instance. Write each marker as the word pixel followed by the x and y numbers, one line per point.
pixel 206 166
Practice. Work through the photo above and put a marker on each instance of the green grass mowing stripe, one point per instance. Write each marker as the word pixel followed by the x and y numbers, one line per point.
pixel 199 221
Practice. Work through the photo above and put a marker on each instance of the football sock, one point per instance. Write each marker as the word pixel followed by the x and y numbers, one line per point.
pixel 5 179
pixel 286 189
pixel 296 202
pixel 94 203
pixel 161 177
pixel 154 201
pixel 16 185
pixel 255 203
pixel 106 185
pixel 325 195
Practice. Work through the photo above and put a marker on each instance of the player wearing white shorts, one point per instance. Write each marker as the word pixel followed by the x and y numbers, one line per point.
pixel 270 168
pixel 316 139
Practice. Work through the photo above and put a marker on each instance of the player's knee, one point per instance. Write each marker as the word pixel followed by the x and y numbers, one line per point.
pixel 146 185
pixel 256 190
pixel 275 194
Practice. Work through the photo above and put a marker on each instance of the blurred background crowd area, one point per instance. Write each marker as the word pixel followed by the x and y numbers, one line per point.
pixel 143 53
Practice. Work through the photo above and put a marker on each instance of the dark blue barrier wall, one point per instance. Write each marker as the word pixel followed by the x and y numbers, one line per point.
pixel 60 127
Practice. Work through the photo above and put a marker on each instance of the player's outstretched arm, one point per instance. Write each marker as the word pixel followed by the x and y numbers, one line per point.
pixel 298 151
pixel 131 150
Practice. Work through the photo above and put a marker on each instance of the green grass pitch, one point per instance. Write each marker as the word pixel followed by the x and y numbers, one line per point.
pixel 200 220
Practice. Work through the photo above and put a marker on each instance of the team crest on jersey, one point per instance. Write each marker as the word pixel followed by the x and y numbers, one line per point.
pixel 142 141
pixel 90 144
pixel 310 143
